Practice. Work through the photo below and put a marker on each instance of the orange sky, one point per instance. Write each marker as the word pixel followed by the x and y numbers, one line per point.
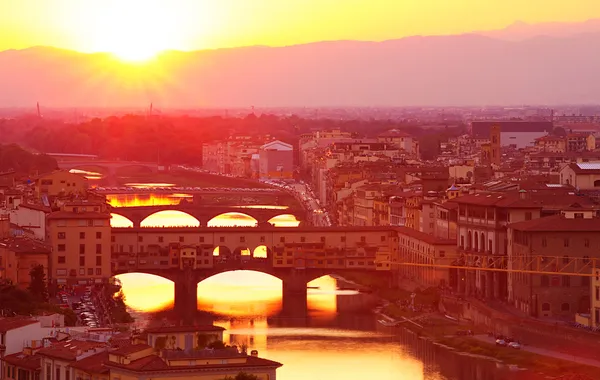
pixel 143 27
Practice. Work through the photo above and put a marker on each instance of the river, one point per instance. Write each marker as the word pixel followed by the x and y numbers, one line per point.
pixel 338 339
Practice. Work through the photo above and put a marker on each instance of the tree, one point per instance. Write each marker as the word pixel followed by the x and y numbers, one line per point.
pixel 38 286
pixel 242 376
pixel 216 345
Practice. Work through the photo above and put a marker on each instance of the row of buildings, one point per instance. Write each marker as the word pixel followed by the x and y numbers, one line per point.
pixel 528 230
pixel 30 351
pixel 249 157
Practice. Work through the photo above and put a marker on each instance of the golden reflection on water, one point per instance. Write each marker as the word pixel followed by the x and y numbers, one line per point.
pixel 285 220
pixel 87 174
pixel 148 185
pixel 137 200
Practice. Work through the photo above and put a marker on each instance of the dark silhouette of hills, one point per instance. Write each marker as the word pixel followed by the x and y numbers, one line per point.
pixel 456 70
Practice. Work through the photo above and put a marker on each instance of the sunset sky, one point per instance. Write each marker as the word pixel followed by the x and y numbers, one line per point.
pixel 139 27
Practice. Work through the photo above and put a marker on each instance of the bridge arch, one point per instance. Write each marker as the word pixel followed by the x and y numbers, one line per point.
pixel 231 219
pixel 285 220
pixel 170 218
pixel 138 286
pixel 120 221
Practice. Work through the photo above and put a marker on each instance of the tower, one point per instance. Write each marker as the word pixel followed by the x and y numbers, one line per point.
pixel 495 148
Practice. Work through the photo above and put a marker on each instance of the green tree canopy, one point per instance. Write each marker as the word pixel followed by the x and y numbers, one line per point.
pixel 38 286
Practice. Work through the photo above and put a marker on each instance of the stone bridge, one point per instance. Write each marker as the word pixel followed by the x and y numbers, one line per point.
pixel 110 167
pixel 204 213
pixel 294 281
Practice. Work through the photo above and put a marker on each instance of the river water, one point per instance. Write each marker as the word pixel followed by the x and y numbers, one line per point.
pixel 339 338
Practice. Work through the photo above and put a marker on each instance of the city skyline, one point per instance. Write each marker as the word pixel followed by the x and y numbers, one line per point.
pixel 135 30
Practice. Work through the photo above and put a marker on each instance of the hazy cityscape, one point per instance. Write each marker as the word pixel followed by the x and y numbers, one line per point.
pixel 325 190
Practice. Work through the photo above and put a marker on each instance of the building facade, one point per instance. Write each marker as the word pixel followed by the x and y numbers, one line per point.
pixel 276 160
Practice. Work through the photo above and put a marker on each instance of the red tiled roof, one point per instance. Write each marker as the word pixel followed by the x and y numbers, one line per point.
pixel 21 360
pixel 78 215
pixel 11 323
pixel 93 364
pixel 558 223
pixel 154 363
pixel 170 329
pixel 35 207
pixel 535 199
pixel 70 349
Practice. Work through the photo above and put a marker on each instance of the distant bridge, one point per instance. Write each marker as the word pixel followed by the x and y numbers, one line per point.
pixel 110 167
pixel 193 190
pixel 205 213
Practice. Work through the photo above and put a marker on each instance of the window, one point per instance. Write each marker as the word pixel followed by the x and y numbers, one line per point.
pixel 90 271
pixel 544 242
pixel 442 253
pixel 82 271
pixel 140 239
pixel 282 239
pixel 322 239
pixel 565 307
pixel 302 239
pixel 201 239
pixel 566 242
pixel 57 369
pixel 566 281
pixel 545 306
pixel 181 239
pixel 48 371
pixel 62 235
pixel 62 259
pixel 161 239
pixel 98 261
pixel 98 271
pixel 61 248
pixel 578 215
pixel 98 235
pixel 242 239
pixel 586 242
pixel 528 215
pixel 67 373
pixel 222 239
pixel 82 235
pixel 586 259
pixel 544 281
pixel 82 249
pixel 98 248
pixel 363 239
pixel 81 261
pixel 597 293
pixel 382 238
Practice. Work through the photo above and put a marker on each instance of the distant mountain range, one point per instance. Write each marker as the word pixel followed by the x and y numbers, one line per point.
pixel 522 64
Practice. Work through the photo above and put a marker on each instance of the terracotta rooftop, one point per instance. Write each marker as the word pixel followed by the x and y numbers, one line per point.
pixel 153 363
pixel 25 245
pixel 70 349
pixel 92 364
pixel 170 329
pixel 558 223
pixel 11 323
pixel 24 361
pixel 547 199
pixel 35 207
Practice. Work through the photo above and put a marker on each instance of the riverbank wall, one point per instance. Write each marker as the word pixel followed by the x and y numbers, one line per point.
pixel 529 331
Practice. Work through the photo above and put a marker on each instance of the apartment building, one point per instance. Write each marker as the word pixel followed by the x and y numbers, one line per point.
pixel 18 256
pixel 80 235
pixel 60 183
pixel 568 242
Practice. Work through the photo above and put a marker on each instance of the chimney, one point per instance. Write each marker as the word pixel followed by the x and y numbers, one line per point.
pixel 254 353
pixel 523 194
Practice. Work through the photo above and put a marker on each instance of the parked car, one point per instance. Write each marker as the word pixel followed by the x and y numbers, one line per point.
pixel 500 342
pixel 514 345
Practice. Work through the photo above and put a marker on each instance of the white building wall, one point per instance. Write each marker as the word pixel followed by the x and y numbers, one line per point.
pixel 34 219
pixel 17 338
pixel 520 139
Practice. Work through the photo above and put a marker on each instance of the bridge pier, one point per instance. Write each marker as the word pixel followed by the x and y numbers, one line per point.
pixel 294 295
pixel 186 295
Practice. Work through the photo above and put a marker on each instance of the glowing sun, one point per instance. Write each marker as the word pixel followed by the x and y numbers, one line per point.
pixel 136 30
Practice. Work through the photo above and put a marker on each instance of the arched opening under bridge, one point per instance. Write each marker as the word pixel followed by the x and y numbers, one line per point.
pixel 232 219
pixel 285 220
pixel 170 218
pixel 147 292
pixel 120 221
